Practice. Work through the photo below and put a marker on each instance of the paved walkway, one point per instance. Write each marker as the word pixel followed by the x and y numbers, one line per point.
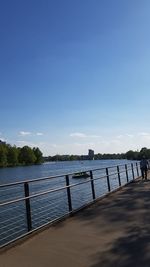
pixel 115 232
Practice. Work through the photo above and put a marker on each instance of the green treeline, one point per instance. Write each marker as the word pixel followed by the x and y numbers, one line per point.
pixel 137 155
pixel 130 155
pixel 83 157
pixel 15 156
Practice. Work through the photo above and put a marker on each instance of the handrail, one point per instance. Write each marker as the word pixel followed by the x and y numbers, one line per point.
pixel 56 190
pixel 30 208
pixel 57 176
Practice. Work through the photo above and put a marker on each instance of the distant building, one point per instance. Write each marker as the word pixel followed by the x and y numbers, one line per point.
pixel 91 154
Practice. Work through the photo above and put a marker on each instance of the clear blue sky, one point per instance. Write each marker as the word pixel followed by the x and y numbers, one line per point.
pixel 75 74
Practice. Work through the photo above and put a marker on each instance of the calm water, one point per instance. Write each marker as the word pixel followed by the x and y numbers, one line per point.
pixel 45 208
pixel 8 175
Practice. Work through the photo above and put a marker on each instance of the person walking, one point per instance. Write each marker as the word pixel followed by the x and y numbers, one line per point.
pixel 144 167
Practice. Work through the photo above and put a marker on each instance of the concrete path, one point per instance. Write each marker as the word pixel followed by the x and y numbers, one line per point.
pixel 115 232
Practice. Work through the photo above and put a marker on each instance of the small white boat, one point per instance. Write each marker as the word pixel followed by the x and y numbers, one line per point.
pixel 81 175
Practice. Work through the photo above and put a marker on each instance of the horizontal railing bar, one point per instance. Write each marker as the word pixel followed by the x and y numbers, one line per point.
pixel 30 181
pixel 56 176
pixel 10 198
pixel 9 189
pixel 12 208
pixel 49 191
pixel 41 216
pixel 44 218
pixel 41 211
pixel 36 229
pixel 10 219
pixel 49 208
pixel 41 194
pixel 12 223
pixel 32 196
pixel 12 229
pixel 37 224
pixel 23 230
pixel 47 223
pixel 43 199
pixel 49 202
pixel 36 211
pixel 71 185
pixel 111 174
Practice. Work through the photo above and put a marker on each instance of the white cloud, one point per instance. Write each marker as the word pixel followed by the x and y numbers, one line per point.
pixel 23 133
pixel 130 135
pixel 83 135
pixel 56 146
pixel 119 136
pixel 39 134
pixel 26 143
pixel 143 134
pixel 80 135
pixel 21 142
pixel 94 136
pixel 91 144
pixel 105 145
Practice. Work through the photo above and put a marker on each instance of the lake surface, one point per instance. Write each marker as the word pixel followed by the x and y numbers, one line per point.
pixel 9 175
pixel 53 205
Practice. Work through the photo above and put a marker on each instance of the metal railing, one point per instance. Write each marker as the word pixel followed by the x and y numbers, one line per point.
pixel 29 205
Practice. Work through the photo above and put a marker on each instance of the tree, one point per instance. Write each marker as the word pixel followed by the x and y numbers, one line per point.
pixel 144 152
pixel 38 154
pixel 130 155
pixel 3 156
pixel 12 156
pixel 26 156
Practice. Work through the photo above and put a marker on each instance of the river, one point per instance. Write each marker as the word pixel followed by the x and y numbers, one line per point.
pixel 13 174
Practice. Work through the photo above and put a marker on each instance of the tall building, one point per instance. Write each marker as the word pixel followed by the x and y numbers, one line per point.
pixel 91 154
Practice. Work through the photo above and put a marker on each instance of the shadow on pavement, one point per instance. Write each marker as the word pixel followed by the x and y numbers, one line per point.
pixel 130 250
pixel 128 210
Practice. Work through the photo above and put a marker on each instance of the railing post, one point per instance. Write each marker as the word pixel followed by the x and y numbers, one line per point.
pixel 137 169
pixel 68 193
pixel 108 182
pixel 132 170
pixel 92 185
pixel 28 208
pixel 119 180
pixel 126 168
